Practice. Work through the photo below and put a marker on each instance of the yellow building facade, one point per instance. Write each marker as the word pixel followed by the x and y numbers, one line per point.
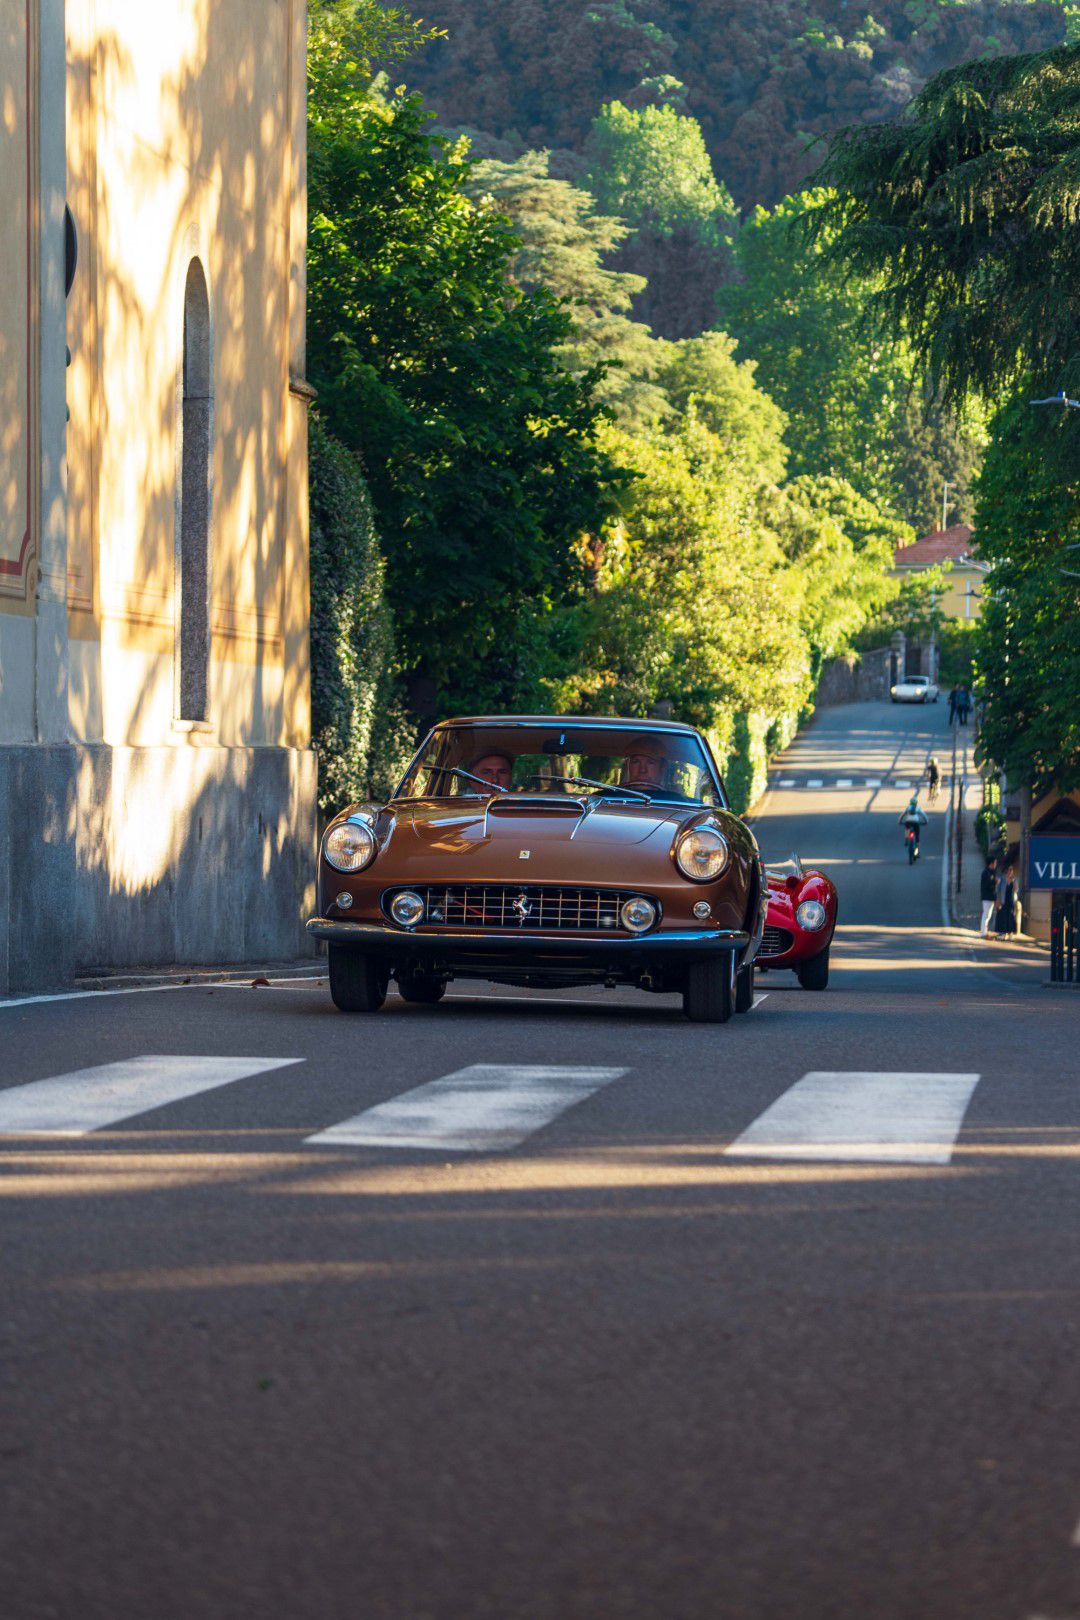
pixel 157 788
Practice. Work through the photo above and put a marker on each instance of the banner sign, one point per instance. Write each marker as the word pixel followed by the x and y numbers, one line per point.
pixel 1053 862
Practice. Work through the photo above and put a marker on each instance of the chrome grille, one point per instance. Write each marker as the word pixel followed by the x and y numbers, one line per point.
pixel 775 941
pixel 515 906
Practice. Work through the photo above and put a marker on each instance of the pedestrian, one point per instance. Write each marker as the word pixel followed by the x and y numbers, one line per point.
pixel 963 705
pixel 988 895
pixel 1008 904
pixel 952 704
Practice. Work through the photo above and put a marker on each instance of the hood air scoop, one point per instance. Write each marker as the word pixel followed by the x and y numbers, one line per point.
pixel 535 804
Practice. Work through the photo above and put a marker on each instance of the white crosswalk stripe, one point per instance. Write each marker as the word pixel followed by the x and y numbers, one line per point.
pixel 93 1099
pixel 862 1114
pixel 479 1109
pixel 814 782
pixel 868 1115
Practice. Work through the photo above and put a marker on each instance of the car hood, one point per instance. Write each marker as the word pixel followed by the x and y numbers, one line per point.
pixel 528 823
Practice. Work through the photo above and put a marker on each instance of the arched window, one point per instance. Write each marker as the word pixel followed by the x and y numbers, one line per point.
pixel 193 543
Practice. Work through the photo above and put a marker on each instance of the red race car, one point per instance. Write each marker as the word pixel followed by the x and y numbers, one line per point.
pixel 799 924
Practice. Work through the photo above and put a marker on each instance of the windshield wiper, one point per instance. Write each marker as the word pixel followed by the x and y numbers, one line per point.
pixel 605 787
pixel 492 787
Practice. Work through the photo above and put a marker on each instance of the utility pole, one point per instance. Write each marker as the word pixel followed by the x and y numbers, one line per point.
pixel 945 502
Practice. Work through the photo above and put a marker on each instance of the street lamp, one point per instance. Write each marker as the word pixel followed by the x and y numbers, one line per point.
pixel 1059 399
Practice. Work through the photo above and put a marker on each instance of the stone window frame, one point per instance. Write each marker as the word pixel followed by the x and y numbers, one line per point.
pixel 194 503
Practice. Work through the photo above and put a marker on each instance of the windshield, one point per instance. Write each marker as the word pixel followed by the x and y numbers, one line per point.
pixel 615 762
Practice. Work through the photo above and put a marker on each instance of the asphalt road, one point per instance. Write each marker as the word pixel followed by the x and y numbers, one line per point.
pixel 617 1370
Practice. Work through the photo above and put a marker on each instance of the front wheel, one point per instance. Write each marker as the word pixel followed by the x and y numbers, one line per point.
pixel 357 981
pixel 814 974
pixel 744 988
pixel 709 993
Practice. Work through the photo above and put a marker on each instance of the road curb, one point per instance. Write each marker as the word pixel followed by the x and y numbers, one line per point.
pixel 243 973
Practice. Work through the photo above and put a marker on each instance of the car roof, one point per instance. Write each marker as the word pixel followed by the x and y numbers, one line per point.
pixel 601 722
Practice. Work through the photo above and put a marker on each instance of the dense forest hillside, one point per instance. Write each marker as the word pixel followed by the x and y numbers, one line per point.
pixel 762 77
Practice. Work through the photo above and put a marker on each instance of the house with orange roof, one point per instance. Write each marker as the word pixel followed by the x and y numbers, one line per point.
pixel 950 549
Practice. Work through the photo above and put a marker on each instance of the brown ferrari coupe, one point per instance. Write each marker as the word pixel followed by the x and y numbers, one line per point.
pixel 542 851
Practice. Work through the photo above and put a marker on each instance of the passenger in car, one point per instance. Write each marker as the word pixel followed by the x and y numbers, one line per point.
pixel 498 769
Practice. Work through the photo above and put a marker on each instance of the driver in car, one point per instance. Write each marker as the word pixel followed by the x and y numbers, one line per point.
pixel 496 768
pixel 643 767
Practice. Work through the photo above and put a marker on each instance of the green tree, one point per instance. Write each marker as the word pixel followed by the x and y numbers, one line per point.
pixel 563 243
pixel 690 605
pixel 650 167
pixel 840 548
pixel 965 210
pixel 478 444
pixel 850 386
pixel 1028 645
pixel 703 373
pixel 962 215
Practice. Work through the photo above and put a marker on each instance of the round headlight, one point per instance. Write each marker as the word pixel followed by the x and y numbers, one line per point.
pixel 349 846
pixel 702 854
pixel 638 914
pixel 811 916
pixel 407 908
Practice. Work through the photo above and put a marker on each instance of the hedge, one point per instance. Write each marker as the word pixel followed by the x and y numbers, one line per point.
pixel 361 733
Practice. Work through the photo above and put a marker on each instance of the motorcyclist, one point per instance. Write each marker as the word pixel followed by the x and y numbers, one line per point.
pixel 913 820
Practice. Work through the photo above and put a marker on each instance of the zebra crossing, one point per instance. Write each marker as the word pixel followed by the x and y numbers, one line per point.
pixel 904 784
pixel 836 1115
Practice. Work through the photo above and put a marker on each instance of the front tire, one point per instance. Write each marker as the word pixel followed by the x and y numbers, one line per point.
pixel 709 993
pixel 814 974
pixel 744 988
pixel 357 981
pixel 421 989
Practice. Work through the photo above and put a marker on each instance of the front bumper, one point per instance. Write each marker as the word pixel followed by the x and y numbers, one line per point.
pixel 526 949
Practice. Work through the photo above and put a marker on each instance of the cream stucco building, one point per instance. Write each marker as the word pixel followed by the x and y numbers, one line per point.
pixel 157 788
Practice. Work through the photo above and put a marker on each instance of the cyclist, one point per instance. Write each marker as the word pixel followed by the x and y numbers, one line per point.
pixel 933 776
pixel 913 820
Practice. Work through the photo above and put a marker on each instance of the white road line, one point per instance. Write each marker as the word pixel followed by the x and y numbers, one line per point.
pixel 873 781
pixel 759 999
pixel 862 1114
pixel 480 1109
pixel 844 781
pixel 815 782
pixel 91 1099
pixel 89 995
pixel 901 782
pixel 786 781
pixel 153 989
